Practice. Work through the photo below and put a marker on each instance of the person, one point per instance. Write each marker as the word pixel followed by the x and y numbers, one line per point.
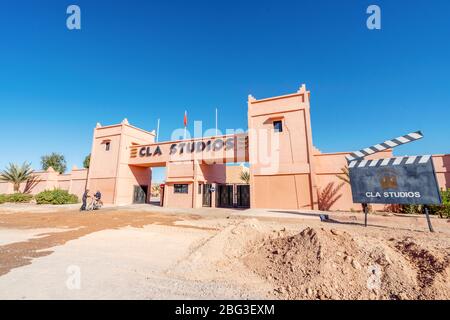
pixel 84 199
pixel 98 197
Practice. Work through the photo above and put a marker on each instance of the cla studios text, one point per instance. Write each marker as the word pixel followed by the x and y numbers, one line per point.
pixel 73 21
pixel 250 309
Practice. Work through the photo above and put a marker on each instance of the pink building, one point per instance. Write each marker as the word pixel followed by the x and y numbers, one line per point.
pixel 286 170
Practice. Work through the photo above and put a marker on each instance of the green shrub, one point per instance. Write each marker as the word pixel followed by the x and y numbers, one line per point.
pixel 443 210
pixel 56 196
pixel 19 198
pixel 15 198
pixel 412 209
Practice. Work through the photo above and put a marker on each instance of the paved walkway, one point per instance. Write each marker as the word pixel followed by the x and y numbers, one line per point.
pixel 210 212
pixel 225 212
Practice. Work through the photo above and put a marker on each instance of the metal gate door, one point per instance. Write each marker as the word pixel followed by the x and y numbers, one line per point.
pixel 225 196
pixel 243 196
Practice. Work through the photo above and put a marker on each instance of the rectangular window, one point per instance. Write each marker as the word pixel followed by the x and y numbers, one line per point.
pixel 180 188
pixel 199 188
pixel 278 126
pixel 107 146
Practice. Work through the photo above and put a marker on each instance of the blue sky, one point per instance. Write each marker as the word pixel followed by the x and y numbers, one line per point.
pixel 145 60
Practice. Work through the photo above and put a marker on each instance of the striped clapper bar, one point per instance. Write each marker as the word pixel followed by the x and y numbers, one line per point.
pixel 389 162
pixel 388 144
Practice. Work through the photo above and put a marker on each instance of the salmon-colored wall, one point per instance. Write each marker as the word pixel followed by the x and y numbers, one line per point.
pixel 78 181
pixel 215 173
pixel 180 171
pixel 199 197
pixel 282 191
pixel 63 181
pixel 6 188
pixel 442 167
pixel 178 200
pixel 106 186
pixel 74 182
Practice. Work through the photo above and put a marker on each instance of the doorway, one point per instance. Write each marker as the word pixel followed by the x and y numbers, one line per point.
pixel 207 195
pixel 225 195
pixel 243 195
pixel 140 194
pixel 156 191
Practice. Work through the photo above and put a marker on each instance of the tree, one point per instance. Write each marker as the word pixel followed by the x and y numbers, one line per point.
pixel 56 161
pixel 17 174
pixel 245 176
pixel 87 161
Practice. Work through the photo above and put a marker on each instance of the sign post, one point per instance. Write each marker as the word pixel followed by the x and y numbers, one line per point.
pixel 428 219
pixel 366 211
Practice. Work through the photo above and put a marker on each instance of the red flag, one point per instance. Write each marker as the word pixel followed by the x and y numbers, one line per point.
pixel 185 118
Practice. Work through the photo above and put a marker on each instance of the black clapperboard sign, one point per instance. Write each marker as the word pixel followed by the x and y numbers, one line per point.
pixel 401 180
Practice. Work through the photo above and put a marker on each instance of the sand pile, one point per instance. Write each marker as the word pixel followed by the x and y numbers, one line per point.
pixel 217 259
pixel 220 253
pixel 329 264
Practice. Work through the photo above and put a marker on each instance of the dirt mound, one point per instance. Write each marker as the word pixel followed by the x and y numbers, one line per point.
pixel 330 264
pixel 431 267
pixel 299 264
pixel 218 259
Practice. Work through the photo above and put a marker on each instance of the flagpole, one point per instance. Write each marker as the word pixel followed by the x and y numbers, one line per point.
pixel 216 122
pixel 185 123
pixel 157 131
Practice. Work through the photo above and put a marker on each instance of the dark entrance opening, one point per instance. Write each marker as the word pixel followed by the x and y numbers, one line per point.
pixel 224 195
pixel 140 194
pixel 243 196
pixel 207 195
pixel 155 193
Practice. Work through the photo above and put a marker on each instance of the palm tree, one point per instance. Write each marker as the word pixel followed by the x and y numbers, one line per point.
pixel 245 176
pixel 17 174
